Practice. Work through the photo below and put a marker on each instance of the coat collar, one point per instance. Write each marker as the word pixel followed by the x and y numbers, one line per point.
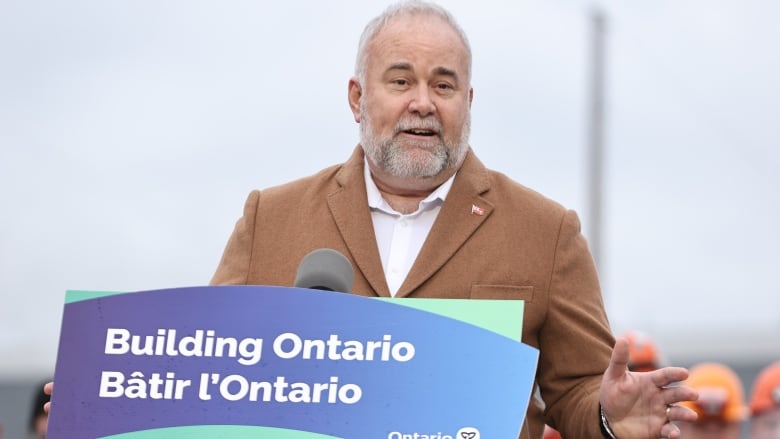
pixel 462 213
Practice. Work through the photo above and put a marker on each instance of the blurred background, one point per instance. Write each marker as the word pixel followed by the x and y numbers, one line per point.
pixel 132 131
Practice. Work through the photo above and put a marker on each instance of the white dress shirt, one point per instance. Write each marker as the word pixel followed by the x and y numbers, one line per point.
pixel 401 236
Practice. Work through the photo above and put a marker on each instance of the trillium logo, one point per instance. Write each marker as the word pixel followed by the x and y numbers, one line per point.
pixel 463 433
pixel 467 433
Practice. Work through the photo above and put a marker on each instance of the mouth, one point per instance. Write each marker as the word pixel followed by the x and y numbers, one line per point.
pixel 421 132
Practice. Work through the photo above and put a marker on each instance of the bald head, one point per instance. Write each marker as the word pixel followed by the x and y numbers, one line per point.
pixel 406 9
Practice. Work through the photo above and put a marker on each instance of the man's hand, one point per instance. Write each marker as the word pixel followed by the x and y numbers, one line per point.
pixel 47 388
pixel 643 405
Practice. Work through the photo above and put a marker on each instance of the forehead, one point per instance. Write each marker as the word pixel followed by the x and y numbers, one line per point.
pixel 424 41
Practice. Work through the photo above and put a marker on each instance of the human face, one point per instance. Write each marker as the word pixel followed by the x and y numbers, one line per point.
pixel 765 425
pixel 414 104
pixel 710 430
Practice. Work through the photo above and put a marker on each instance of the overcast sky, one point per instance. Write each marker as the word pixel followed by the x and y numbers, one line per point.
pixel 132 131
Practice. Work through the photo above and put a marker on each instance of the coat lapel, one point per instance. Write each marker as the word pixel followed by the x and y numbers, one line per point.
pixel 349 207
pixel 462 213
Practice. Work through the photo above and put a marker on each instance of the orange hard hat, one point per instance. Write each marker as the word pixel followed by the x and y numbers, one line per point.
pixel 766 389
pixel 721 394
pixel 643 353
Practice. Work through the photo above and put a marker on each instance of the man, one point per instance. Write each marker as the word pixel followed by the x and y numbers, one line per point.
pixel 721 405
pixel 418 215
pixel 765 404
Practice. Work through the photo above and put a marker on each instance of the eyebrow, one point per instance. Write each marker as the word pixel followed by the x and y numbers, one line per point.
pixel 399 66
pixel 439 71
pixel 444 71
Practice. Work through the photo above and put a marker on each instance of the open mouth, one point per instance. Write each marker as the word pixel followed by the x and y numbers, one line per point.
pixel 421 132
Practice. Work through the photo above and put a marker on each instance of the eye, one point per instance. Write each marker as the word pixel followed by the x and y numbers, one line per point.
pixel 444 88
pixel 399 82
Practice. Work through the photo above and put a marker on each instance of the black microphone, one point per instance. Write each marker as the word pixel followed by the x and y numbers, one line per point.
pixel 325 269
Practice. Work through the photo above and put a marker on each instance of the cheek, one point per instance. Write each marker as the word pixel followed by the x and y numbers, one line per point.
pixel 384 113
pixel 454 119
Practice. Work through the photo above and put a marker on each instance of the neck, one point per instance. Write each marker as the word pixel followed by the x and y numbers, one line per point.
pixel 405 194
pixel 402 204
pixel 403 200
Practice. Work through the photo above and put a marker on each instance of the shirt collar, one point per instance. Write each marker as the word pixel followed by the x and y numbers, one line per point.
pixel 375 200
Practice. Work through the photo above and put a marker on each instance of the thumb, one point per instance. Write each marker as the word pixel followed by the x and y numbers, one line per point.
pixel 618 363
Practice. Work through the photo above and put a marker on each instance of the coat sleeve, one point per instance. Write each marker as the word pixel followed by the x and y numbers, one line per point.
pixel 234 266
pixel 576 341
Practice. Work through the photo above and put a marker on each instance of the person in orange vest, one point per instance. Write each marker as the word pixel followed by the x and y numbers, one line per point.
pixel 644 355
pixel 765 404
pixel 721 405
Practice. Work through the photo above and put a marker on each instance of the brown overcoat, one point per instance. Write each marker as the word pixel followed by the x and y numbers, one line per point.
pixel 492 239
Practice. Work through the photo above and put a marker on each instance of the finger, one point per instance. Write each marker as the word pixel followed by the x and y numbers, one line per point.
pixel 47 389
pixel 681 413
pixel 666 376
pixel 670 431
pixel 618 363
pixel 673 395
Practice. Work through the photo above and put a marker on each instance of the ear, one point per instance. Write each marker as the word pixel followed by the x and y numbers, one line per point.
pixel 471 95
pixel 354 94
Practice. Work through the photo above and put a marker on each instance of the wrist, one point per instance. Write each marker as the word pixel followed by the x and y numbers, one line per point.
pixel 606 430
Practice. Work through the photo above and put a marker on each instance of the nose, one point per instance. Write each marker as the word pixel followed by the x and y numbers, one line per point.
pixel 421 102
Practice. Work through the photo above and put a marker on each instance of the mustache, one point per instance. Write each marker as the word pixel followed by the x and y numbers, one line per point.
pixel 411 123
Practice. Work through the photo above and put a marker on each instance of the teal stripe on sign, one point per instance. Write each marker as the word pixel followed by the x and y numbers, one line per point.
pixel 72 296
pixel 503 317
pixel 220 431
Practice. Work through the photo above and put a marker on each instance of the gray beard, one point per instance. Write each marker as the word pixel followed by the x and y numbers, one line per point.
pixel 391 156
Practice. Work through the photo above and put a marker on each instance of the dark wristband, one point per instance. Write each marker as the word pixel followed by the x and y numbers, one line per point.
pixel 605 428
